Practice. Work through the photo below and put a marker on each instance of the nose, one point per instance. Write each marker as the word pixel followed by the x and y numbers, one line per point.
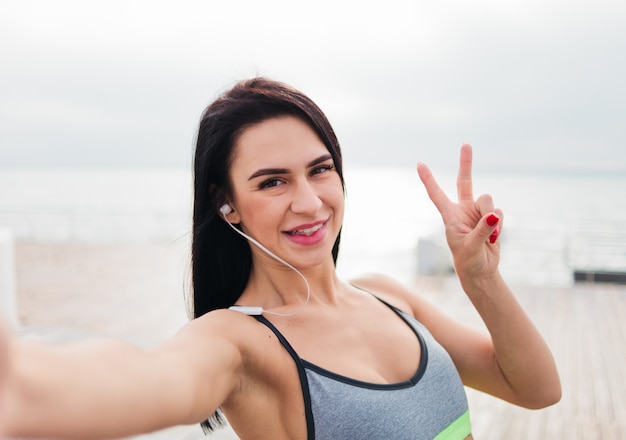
pixel 305 199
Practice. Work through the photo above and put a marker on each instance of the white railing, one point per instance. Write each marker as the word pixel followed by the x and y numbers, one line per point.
pixel 545 255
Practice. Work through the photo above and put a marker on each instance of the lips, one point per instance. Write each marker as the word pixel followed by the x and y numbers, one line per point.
pixel 308 231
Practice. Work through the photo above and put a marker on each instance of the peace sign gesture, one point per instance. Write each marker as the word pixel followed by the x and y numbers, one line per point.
pixel 472 225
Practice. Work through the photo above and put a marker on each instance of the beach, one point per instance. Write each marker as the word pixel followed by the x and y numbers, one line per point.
pixel 135 292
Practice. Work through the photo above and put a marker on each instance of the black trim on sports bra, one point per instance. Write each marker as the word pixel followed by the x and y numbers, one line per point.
pixel 301 363
pixel 304 383
pixel 421 368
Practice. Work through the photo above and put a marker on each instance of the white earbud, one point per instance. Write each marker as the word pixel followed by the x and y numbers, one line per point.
pixel 226 209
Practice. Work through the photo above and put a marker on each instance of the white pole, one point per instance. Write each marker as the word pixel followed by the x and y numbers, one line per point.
pixel 8 305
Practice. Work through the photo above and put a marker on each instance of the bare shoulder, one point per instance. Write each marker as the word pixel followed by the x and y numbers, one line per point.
pixel 219 354
pixel 225 328
pixel 218 321
pixel 262 383
pixel 379 282
pixel 242 338
pixel 391 291
pixel 216 347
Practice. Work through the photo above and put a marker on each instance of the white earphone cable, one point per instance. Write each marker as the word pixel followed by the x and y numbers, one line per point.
pixel 256 310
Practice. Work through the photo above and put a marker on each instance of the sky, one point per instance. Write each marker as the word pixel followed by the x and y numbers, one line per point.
pixel 533 85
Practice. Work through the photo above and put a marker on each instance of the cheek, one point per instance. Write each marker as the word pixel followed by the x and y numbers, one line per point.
pixel 259 215
pixel 336 199
pixel 340 208
pixel 338 189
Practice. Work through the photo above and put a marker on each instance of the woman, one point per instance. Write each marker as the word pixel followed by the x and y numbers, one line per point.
pixel 300 354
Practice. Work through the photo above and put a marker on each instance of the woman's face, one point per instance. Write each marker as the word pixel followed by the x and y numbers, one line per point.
pixel 286 191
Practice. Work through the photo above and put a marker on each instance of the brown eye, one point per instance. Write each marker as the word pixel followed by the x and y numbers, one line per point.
pixel 270 183
pixel 322 169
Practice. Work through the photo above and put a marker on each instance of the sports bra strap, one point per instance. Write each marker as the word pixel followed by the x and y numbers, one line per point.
pixel 304 383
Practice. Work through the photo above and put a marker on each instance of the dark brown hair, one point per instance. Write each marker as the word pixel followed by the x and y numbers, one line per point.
pixel 221 259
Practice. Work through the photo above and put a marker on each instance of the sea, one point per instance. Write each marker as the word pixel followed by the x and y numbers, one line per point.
pixel 554 223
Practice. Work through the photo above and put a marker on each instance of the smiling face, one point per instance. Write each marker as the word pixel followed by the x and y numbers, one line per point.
pixel 286 191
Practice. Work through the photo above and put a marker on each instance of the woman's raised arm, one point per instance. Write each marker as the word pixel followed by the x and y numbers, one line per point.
pixel 515 363
pixel 107 389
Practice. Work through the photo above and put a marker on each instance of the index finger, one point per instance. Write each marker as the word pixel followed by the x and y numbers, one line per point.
pixel 464 179
pixel 435 192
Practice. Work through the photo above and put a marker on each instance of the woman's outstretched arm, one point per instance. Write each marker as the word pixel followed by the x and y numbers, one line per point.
pixel 107 389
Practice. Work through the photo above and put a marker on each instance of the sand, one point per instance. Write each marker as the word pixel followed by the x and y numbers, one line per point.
pixel 123 290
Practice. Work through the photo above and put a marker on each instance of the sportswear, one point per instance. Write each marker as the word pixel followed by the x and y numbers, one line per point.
pixel 430 405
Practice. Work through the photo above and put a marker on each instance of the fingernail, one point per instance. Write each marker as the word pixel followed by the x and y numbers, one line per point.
pixel 492 219
pixel 493 237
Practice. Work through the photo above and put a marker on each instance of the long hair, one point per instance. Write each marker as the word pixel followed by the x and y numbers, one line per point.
pixel 221 258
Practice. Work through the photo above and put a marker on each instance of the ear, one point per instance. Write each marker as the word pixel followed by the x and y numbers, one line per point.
pixel 219 195
pixel 226 210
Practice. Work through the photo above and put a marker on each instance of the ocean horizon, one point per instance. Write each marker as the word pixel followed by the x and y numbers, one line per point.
pixel 553 222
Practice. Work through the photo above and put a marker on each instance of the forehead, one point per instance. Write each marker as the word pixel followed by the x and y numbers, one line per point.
pixel 277 142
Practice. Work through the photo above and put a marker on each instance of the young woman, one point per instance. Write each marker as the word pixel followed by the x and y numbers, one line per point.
pixel 279 344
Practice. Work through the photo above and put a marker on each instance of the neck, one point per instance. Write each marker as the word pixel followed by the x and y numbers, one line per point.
pixel 279 288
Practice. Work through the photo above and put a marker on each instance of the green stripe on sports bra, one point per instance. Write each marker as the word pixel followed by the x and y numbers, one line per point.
pixel 457 430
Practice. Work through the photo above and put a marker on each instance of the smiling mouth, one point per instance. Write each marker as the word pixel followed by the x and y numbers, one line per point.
pixel 308 231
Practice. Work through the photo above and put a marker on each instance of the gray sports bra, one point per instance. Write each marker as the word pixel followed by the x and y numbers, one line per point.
pixel 430 405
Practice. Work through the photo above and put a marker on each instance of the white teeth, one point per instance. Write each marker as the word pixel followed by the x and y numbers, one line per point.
pixel 308 231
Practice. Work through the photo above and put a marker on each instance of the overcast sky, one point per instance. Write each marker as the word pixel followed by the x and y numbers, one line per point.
pixel 532 84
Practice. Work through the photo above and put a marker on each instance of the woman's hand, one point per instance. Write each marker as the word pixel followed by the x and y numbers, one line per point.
pixel 472 225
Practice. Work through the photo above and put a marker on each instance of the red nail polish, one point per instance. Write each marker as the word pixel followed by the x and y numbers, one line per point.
pixel 493 237
pixel 492 220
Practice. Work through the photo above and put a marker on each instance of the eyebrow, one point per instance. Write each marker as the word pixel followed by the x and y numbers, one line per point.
pixel 271 171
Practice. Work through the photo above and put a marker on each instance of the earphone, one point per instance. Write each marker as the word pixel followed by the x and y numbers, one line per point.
pixel 225 210
pixel 255 310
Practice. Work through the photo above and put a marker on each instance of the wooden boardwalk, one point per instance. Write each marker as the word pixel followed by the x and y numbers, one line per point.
pixel 584 326
pixel 133 292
